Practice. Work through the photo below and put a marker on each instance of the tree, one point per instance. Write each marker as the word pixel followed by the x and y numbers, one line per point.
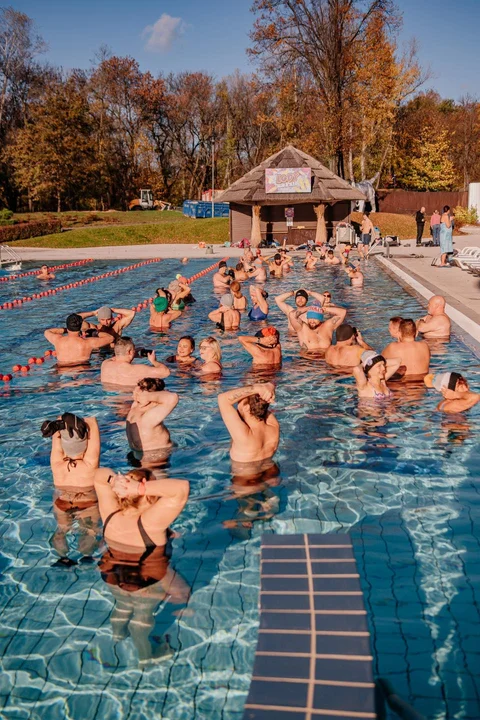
pixel 431 168
pixel 328 38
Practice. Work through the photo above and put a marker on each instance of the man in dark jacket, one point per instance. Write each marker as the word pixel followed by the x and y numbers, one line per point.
pixel 420 220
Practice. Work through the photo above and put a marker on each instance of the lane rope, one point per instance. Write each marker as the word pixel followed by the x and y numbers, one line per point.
pixel 50 269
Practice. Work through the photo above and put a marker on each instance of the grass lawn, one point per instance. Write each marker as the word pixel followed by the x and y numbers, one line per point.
pixel 393 224
pixel 168 230
pixel 114 217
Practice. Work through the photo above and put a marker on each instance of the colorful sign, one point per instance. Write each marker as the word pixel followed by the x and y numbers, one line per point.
pixel 288 180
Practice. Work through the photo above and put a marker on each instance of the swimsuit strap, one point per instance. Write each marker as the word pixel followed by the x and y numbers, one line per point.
pixel 109 518
pixel 149 543
pixel 71 463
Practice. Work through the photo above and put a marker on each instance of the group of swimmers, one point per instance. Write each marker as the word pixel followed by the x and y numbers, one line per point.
pixel 138 506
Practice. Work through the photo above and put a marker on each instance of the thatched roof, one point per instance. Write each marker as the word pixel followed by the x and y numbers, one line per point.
pixel 327 187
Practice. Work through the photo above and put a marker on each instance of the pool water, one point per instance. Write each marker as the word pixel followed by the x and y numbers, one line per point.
pixel 401 478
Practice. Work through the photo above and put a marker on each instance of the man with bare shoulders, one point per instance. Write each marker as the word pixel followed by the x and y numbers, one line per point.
pixel 147 436
pixel 414 355
pixel 331 258
pixel 355 274
pixel 316 334
pixel 301 299
pixel 44 274
pixel 436 324
pixel 240 273
pixel 349 348
pixel 106 322
pixel 277 265
pixel 221 280
pixel 121 370
pixel 71 347
pixel 254 430
pixel 264 347
pixel 258 271
pixel 394 327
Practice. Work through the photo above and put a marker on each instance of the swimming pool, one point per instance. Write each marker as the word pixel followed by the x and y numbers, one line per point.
pixel 402 479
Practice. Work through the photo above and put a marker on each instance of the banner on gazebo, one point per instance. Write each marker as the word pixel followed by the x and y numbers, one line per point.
pixel 288 180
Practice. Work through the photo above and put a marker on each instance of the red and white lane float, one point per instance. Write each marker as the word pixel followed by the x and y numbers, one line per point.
pixel 54 268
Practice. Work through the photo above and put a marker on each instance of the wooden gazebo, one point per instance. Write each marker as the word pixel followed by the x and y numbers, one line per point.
pixel 290 194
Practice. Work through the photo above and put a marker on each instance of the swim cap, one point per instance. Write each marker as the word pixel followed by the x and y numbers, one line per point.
pixel 301 293
pixel 222 263
pixel 74 322
pixel 370 358
pixel 268 331
pixel 160 304
pixel 227 300
pixel 73 445
pixel 439 381
pixel 315 313
pixel 104 313
pixel 345 332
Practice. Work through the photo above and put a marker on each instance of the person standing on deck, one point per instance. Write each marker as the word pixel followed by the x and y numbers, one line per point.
pixel 446 232
pixel 435 228
pixel 420 220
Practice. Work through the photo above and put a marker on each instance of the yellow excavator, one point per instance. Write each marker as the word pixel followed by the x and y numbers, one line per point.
pixel 146 202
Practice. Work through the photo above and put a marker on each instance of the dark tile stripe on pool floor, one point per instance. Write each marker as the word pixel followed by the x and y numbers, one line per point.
pixel 313 656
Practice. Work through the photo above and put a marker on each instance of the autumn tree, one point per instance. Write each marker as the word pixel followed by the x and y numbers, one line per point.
pixel 430 168
pixel 53 154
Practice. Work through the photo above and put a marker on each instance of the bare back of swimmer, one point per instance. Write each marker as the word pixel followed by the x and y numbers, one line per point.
pixel 71 348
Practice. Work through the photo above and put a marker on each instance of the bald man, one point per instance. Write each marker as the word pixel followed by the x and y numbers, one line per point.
pixel 436 324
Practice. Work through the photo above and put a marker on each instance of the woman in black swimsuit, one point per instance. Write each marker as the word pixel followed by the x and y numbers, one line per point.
pixel 136 511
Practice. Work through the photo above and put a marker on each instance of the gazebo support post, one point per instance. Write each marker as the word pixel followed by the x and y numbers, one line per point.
pixel 256 234
pixel 321 233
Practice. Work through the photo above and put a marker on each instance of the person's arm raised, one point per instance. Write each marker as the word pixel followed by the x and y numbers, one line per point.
pixel 230 416
pixel 392 366
pixel 92 453
pixel 52 334
pixel 284 306
pixel 338 314
pixel 317 296
pixel 164 402
pixel 126 317
pixel 107 500
pixel 172 497
pixel 361 342
pixel 459 404
pixel 215 316
pixel 247 342
pixel 159 369
pixel 100 341
pixel 360 377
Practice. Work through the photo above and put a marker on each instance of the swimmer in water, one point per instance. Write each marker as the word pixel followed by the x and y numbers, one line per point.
pixel 211 355
pixel 310 261
pixel 394 327
pixel 240 273
pixel 264 347
pixel 301 299
pixel 331 259
pixel 349 348
pixel 355 274
pixel 107 323
pixel 44 274
pixel 121 370
pixel 184 355
pixel 414 355
pixel 226 317
pixel 457 396
pixel 74 460
pixel 259 311
pixel 436 324
pixel 147 436
pixel 181 294
pixel 372 373
pixel 239 301
pixel 221 280
pixel 71 347
pixel 161 313
pixel 276 265
pixel 316 334
pixel 254 430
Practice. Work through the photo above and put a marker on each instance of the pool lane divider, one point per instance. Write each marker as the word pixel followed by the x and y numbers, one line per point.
pixel 50 269
pixel 26 367
pixel 188 281
pixel 78 283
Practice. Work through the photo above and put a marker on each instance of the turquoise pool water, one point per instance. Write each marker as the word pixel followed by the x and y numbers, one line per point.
pixel 402 479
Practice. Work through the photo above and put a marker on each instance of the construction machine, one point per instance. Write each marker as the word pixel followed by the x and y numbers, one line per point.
pixel 146 202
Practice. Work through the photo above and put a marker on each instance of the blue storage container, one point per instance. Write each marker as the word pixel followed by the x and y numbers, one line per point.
pixel 202 209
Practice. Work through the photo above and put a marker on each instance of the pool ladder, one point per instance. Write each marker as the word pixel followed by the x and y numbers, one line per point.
pixel 385 696
pixel 9 257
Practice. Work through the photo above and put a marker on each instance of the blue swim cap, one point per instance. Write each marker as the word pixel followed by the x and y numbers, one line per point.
pixel 315 313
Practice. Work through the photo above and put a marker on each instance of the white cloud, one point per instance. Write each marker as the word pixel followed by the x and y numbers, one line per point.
pixel 162 34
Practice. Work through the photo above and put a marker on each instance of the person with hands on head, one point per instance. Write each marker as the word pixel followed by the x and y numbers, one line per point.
pixel 254 430
pixel 221 279
pixel 435 325
pixel 181 293
pixel 310 261
pixel 239 300
pixel 301 299
pixel 414 354
pixel 259 311
pixel 74 460
pixel 264 346
pixel 315 335
pixel 107 323
pixel 161 313
pixel 226 317
pixel 240 273
pixel 372 373
pixel 349 348
pixel 44 274
pixel 147 436
pixel 121 370
pixel 356 276
pixel 71 346
pixel 457 396
pixel 276 264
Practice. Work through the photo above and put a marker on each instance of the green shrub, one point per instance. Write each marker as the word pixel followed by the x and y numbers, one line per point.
pixel 465 216
pixel 6 214
pixel 23 231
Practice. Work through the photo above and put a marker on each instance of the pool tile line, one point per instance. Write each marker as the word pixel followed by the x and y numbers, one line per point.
pixel 302 675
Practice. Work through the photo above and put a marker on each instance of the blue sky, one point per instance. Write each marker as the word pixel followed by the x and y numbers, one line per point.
pixel 212 35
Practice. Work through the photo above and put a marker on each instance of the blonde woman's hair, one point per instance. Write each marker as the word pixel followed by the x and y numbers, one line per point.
pixel 139 475
pixel 214 345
